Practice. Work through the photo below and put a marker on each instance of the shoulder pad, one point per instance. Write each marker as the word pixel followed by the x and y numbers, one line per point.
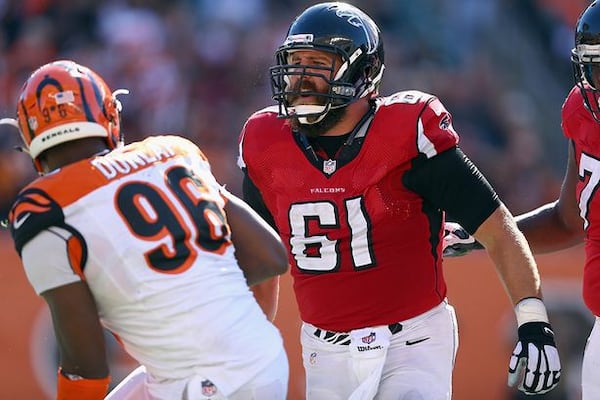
pixel 406 97
pixel 573 102
pixel 32 212
pixel 266 115
pixel 264 122
pixel 267 110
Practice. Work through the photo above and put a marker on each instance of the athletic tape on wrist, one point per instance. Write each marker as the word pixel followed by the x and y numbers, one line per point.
pixel 531 310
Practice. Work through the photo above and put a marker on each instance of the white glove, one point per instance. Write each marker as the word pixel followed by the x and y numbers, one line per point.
pixel 457 241
pixel 534 366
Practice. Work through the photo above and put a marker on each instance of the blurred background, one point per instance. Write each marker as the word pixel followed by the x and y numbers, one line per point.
pixel 199 68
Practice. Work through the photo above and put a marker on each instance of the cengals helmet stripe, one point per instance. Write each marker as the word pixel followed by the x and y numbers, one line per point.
pixel 84 102
pixel 97 95
pixel 48 80
pixel 30 131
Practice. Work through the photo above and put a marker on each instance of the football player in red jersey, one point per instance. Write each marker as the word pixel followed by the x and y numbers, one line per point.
pixel 358 185
pixel 142 240
pixel 575 216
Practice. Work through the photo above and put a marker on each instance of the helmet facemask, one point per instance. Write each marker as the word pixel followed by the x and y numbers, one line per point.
pixel 290 82
pixel 585 60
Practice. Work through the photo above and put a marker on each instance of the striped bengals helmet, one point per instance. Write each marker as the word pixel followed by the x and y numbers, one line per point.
pixel 63 101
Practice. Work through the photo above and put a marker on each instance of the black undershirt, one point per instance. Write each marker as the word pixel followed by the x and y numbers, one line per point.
pixel 329 144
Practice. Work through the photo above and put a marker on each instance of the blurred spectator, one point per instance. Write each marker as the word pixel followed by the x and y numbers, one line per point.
pixel 199 68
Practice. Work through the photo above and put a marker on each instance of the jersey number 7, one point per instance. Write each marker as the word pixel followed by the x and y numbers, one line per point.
pixel 591 167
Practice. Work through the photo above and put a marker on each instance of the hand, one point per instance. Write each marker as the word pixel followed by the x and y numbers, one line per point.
pixel 457 241
pixel 534 365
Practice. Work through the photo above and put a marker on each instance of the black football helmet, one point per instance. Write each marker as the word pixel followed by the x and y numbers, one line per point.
pixel 585 58
pixel 343 30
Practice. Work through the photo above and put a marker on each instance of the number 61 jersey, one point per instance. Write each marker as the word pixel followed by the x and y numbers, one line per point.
pixel 364 249
pixel 144 226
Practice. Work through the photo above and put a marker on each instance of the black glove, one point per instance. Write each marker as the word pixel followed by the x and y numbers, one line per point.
pixel 457 241
pixel 534 365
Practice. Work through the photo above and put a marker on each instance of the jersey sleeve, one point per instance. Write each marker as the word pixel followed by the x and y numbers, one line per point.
pixel 258 123
pixel 33 211
pixel 451 182
pixel 252 196
pixel 46 260
pixel 421 114
pixel 571 116
pixel 435 133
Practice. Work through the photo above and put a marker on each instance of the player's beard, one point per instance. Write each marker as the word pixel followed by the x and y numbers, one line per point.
pixel 331 119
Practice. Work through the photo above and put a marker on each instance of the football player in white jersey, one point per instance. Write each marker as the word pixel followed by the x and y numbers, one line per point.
pixel 142 240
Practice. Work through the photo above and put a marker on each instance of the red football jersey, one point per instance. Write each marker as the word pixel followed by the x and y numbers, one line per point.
pixel 363 249
pixel 584 131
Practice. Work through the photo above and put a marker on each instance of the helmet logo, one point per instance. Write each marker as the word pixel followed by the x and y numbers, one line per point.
pixel 351 17
pixel 445 122
pixel 357 18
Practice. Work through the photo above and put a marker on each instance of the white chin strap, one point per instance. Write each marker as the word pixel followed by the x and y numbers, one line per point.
pixel 307 113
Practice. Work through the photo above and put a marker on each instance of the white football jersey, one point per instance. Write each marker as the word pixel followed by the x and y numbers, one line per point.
pixel 144 226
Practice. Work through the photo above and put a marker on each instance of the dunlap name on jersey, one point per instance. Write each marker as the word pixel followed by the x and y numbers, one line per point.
pixel 125 162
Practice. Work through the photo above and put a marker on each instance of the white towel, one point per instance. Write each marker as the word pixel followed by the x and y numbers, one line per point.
pixel 369 348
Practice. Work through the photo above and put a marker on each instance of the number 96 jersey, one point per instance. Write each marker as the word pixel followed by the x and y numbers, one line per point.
pixel 144 226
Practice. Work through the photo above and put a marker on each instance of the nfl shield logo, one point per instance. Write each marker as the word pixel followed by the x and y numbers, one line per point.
pixel 329 166
pixel 369 339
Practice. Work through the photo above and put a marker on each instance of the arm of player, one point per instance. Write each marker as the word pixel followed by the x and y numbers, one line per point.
pixel 266 294
pixel 535 365
pixel 258 248
pixel 259 252
pixel 556 225
pixel 83 373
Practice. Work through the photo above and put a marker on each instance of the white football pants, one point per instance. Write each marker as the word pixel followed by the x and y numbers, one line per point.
pixel 373 363
pixel 271 383
pixel 590 371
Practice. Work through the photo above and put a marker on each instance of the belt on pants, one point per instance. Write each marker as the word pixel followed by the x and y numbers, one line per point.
pixel 344 338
